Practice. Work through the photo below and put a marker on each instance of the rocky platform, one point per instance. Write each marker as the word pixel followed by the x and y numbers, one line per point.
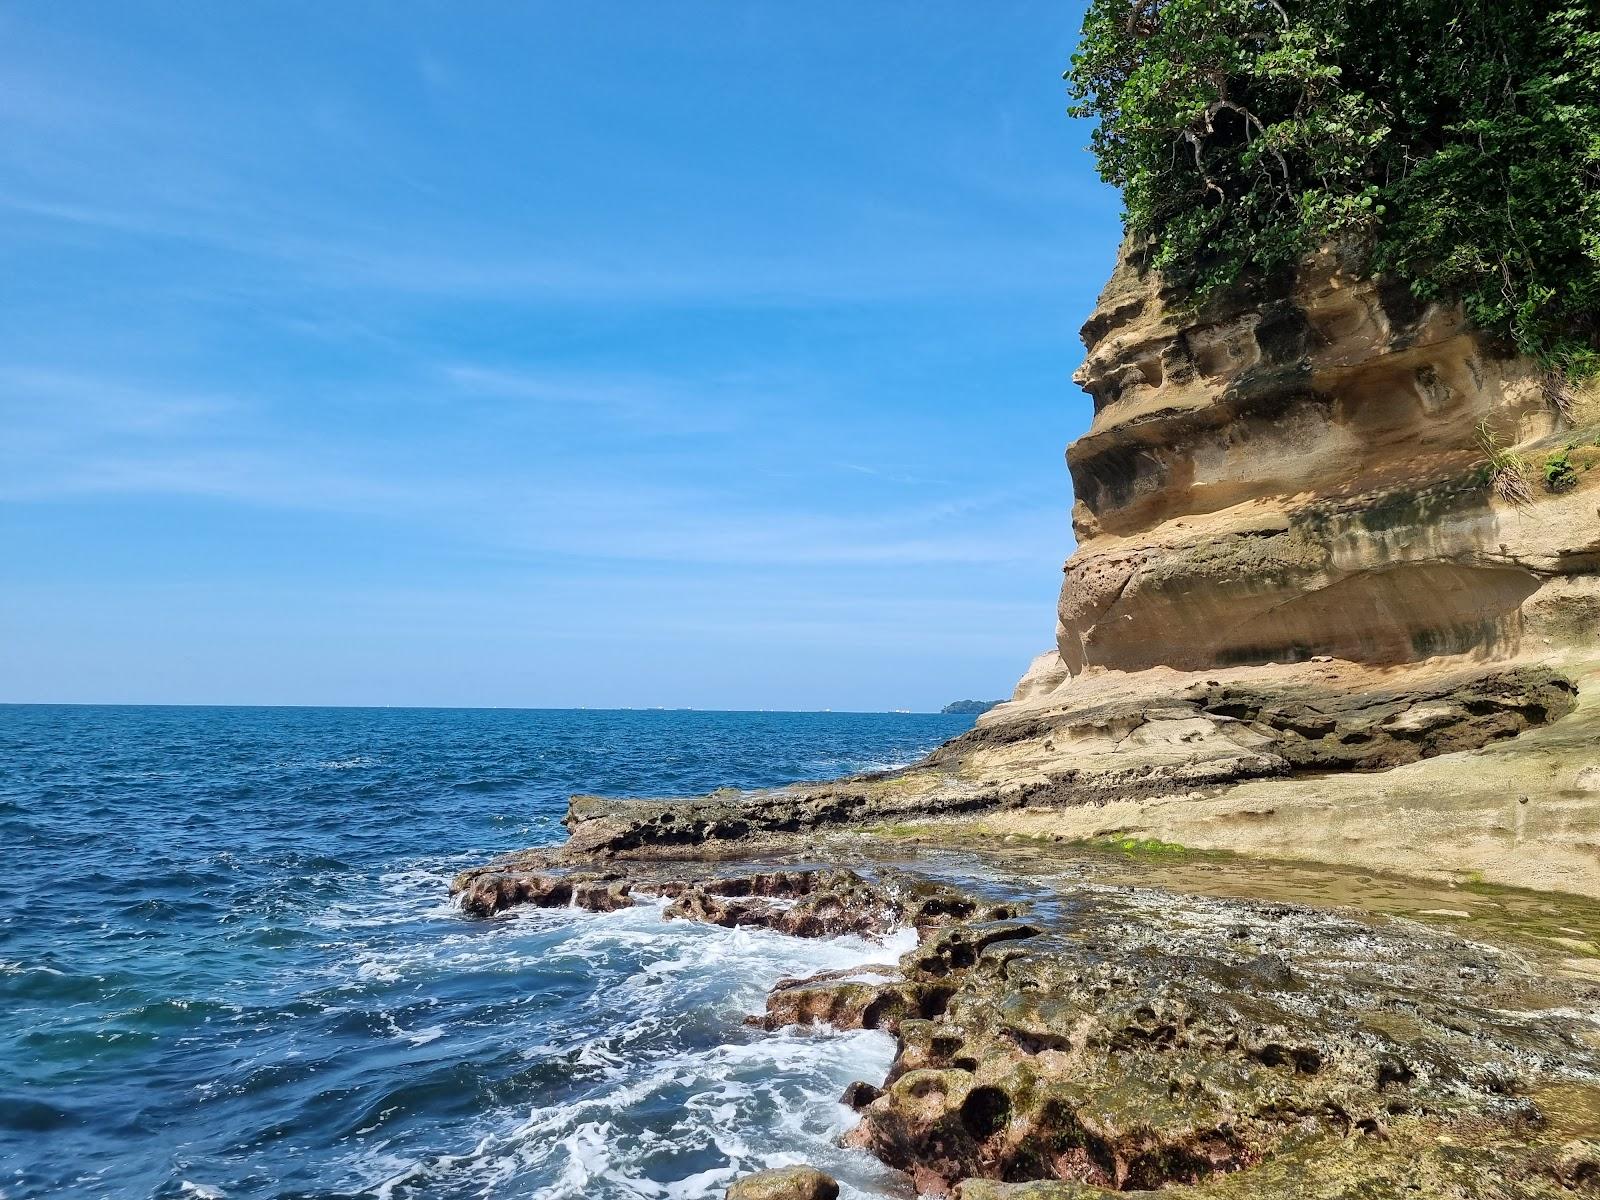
pixel 1209 734
pixel 1062 1036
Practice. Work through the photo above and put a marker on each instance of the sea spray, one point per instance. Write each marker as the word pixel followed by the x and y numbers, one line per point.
pixel 231 967
pixel 653 1086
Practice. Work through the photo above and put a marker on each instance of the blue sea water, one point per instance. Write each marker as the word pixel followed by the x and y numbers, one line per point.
pixel 228 966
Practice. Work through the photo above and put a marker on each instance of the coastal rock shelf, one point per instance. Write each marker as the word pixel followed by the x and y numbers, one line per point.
pixel 1208 733
pixel 1068 1038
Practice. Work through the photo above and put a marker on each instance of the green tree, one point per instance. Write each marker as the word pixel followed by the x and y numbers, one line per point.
pixel 1457 141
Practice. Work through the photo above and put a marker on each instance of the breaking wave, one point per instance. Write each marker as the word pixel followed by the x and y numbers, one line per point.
pixel 232 970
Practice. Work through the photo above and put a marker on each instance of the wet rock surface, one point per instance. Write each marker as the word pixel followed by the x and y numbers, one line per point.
pixel 785 1183
pixel 799 901
pixel 1059 1041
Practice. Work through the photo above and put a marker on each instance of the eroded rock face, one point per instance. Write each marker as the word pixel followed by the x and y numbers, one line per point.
pixel 1297 471
pixel 801 902
pixel 1303 728
pixel 1125 1050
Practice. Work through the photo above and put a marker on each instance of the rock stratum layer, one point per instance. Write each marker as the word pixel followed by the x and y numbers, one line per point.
pixel 1303 474
pixel 1336 596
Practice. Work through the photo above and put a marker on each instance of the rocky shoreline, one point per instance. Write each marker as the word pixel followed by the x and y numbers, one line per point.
pixel 1063 1036
pixel 1318 610
pixel 1227 733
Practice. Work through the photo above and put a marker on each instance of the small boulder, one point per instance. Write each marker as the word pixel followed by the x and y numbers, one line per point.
pixel 785 1183
pixel 859 1094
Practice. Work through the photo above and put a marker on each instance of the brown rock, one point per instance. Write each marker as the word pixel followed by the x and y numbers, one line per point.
pixel 858 1094
pixel 785 1183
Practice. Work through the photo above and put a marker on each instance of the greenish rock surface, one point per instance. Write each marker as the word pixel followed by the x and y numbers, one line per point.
pixel 1064 1036
pixel 785 1183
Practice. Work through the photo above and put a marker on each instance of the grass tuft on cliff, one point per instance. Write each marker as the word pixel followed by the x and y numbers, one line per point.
pixel 1458 140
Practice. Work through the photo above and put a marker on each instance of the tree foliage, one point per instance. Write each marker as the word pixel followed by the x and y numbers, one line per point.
pixel 1457 140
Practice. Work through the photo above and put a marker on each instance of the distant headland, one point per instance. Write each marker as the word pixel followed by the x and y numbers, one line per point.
pixel 975 708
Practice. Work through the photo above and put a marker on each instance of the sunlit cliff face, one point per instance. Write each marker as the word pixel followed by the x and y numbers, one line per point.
pixel 1299 472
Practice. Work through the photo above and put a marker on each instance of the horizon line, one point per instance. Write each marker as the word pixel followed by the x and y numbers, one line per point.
pixel 890 712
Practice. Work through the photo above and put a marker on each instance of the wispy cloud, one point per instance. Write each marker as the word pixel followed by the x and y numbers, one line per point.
pixel 892 476
pixel 638 401
pixel 590 327
pixel 155 165
pixel 59 401
pixel 76 435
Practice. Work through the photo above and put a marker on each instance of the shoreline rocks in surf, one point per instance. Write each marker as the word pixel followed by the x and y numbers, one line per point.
pixel 785 1183
pixel 1126 1039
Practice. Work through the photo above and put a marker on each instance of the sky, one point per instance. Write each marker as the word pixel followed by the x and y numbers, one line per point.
pixel 711 354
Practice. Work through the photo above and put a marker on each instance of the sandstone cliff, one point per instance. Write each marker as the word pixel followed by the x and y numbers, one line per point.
pixel 1301 474
pixel 1336 596
pixel 1292 553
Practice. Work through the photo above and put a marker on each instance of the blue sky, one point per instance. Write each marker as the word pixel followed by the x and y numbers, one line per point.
pixel 710 354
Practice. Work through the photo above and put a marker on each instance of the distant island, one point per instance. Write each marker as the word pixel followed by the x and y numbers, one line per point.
pixel 969 707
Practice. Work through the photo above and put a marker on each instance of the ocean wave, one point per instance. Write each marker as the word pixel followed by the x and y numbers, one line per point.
pixel 655 1086
pixel 400 896
pixel 828 768
pixel 348 764
pixel 257 952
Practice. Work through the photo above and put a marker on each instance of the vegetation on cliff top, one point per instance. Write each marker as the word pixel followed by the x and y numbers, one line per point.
pixel 1458 139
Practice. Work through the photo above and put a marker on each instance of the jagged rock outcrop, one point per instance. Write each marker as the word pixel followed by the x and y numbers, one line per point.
pixel 1141 1045
pixel 1072 1039
pixel 1302 472
pixel 800 902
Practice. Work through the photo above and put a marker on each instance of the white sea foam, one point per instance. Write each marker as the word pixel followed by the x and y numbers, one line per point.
pixel 833 767
pixel 662 1092
pixel 398 897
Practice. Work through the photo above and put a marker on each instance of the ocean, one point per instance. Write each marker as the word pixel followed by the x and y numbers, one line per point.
pixel 229 966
